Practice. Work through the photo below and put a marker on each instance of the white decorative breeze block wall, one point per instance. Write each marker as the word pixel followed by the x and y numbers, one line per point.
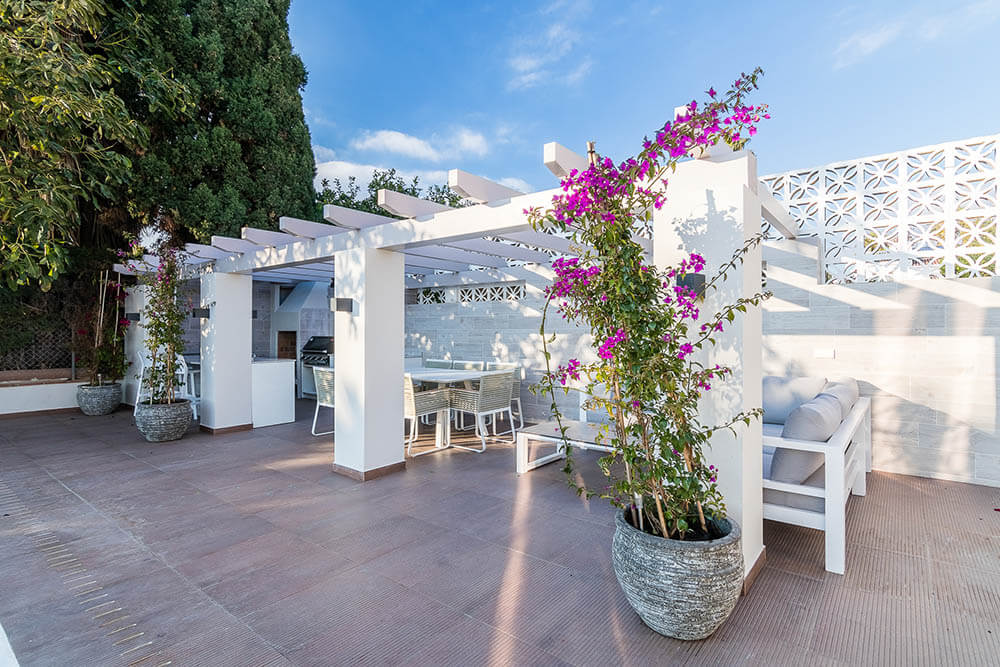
pixel 925 212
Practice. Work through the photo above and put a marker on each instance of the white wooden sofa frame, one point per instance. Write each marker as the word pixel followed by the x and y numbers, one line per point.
pixel 847 457
pixel 540 433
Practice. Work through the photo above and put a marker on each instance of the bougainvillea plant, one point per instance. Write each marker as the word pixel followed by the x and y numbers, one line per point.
pixel 646 323
pixel 99 332
pixel 163 318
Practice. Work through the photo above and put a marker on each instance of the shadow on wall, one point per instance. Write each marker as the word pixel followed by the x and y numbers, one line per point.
pixel 926 351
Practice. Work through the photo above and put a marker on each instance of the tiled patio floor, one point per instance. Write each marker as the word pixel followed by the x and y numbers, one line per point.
pixel 244 549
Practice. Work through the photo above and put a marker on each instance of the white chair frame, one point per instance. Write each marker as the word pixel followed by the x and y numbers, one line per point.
pixel 847 457
pixel 183 390
pixel 515 391
pixel 418 404
pixel 491 398
pixel 324 379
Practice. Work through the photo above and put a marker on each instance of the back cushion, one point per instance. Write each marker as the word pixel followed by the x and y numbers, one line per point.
pixel 814 420
pixel 846 394
pixel 784 394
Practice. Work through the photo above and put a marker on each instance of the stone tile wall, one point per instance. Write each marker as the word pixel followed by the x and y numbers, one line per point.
pixel 926 351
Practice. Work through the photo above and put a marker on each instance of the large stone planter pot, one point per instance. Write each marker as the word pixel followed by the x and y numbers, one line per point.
pixel 681 589
pixel 99 400
pixel 162 422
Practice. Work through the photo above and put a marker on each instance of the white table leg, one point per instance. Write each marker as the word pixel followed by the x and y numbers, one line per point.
pixel 442 432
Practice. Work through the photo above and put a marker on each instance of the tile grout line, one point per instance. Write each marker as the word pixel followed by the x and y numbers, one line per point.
pixel 76 567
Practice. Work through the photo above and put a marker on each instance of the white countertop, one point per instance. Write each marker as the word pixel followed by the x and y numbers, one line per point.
pixel 274 361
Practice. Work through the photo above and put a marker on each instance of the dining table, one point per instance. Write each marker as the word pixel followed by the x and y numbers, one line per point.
pixel 443 377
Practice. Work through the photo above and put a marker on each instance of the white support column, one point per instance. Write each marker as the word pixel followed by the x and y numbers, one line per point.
pixel 135 342
pixel 712 209
pixel 226 352
pixel 369 364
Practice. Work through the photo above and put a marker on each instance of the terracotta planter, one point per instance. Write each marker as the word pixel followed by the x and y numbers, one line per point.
pixel 100 399
pixel 681 589
pixel 161 422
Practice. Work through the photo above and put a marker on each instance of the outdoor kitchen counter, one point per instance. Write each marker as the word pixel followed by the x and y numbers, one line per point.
pixel 272 391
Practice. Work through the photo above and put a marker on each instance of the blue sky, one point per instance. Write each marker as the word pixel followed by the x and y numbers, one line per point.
pixel 426 87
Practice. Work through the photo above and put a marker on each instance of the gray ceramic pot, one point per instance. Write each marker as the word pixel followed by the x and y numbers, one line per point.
pixel 162 422
pixel 99 400
pixel 681 589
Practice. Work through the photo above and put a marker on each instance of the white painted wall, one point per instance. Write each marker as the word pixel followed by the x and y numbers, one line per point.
pixel 926 351
pixel 369 360
pixel 226 350
pixel 711 209
pixel 35 397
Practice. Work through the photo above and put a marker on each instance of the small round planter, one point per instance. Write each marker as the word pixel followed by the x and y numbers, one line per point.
pixel 161 422
pixel 100 399
pixel 681 589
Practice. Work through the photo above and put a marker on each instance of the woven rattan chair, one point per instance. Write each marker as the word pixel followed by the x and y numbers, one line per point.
pixel 437 363
pixel 417 404
pixel 459 417
pixel 515 397
pixel 324 393
pixel 492 398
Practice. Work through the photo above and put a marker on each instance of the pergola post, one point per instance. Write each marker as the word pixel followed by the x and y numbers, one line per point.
pixel 226 352
pixel 368 358
pixel 712 209
pixel 135 341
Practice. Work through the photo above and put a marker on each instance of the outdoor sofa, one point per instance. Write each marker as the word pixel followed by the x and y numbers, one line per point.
pixel 817 450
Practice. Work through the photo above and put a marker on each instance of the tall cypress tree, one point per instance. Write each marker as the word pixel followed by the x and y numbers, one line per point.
pixel 242 154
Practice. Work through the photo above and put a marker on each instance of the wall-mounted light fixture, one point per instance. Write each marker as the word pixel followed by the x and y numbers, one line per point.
pixel 202 313
pixel 342 305
pixel 132 317
pixel 694 282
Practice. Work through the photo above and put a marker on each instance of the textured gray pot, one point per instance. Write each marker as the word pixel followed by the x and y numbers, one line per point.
pixel 99 400
pixel 161 422
pixel 681 589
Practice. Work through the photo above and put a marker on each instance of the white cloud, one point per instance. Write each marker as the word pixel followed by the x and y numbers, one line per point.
pixel 975 14
pixel 467 142
pixel 863 43
pixel 516 183
pixel 323 154
pixel 391 141
pixel 544 55
pixel 363 173
pixel 459 142
pixel 921 25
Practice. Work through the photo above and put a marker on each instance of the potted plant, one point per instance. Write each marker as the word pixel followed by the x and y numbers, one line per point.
pixel 100 341
pixel 162 416
pixel 676 555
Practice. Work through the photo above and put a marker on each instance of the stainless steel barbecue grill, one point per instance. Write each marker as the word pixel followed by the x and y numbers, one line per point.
pixel 318 351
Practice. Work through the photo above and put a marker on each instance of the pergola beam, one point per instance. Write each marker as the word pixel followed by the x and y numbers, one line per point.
pixel 307 228
pixel 451 225
pixel 478 188
pixel 458 255
pixel 776 214
pixel 352 218
pixel 532 274
pixel 502 250
pixel 561 160
pixel 406 206
pixel 229 244
pixel 266 236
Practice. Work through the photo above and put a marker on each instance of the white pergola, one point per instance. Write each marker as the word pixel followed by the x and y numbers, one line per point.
pixel 714 205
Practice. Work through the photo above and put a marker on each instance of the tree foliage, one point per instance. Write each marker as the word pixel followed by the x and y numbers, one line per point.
pixel 67 135
pixel 242 156
pixel 350 195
